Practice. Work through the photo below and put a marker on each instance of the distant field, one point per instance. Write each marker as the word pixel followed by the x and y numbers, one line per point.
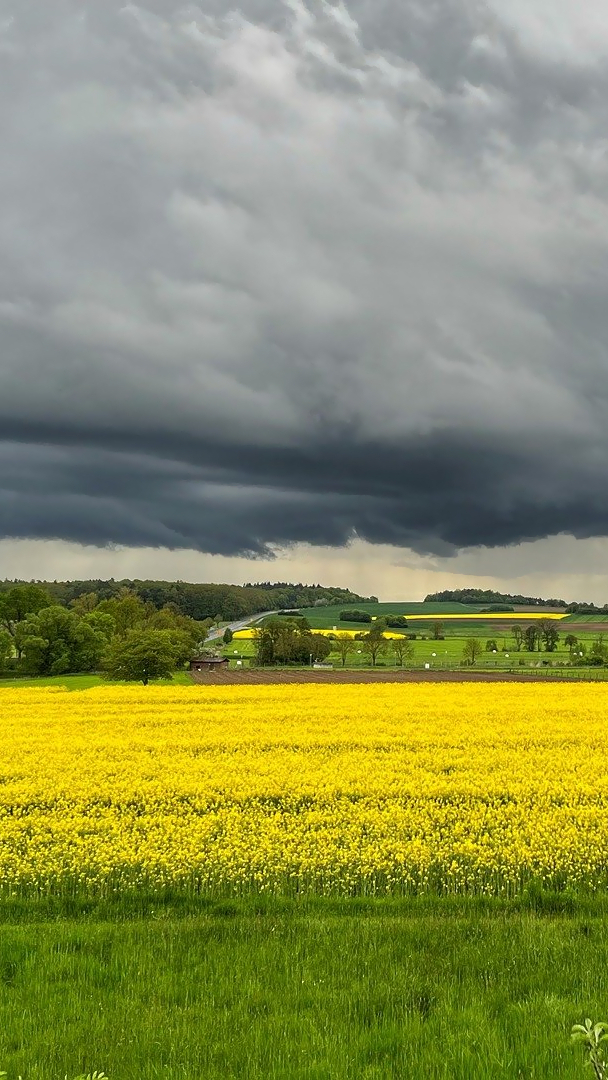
pixel 489 616
pixel 588 619
pixel 439 654
pixel 325 617
pixel 458 622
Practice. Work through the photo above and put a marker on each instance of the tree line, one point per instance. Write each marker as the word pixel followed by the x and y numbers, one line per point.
pixel 489 596
pixel 123 636
pixel 199 601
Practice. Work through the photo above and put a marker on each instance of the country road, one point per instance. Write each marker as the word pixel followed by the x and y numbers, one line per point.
pixel 239 625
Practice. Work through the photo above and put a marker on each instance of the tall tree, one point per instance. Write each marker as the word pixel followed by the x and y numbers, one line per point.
pixel 598 653
pixel 374 644
pixel 343 645
pixel 84 603
pixel 141 655
pixel 472 650
pixel 57 641
pixel 403 649
pixel 6 648
pixel 127 610
pixel 17 604
pixel 571 642
pixel 532 638
pixel 549 634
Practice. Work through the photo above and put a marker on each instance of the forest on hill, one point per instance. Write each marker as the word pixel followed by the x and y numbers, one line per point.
pixel 135 629
pixel 201 601
pixel 491 596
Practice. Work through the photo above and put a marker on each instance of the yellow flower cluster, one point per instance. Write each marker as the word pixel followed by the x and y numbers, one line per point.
pixel 337 789
pixel 503 616
pixel 248 634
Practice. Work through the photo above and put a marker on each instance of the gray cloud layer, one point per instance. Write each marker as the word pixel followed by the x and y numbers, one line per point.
pixel 303 272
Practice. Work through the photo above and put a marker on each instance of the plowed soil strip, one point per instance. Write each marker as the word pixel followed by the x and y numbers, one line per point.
pixel 303 675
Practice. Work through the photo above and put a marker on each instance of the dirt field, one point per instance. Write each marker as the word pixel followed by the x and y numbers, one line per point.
pixel 257 677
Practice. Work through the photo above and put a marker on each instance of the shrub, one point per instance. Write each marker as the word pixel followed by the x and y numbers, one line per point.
pixel 355 616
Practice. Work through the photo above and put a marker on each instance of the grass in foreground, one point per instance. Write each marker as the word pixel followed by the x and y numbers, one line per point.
pixel 283 992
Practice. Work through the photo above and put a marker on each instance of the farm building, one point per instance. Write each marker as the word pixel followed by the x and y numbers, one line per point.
pixel 208 663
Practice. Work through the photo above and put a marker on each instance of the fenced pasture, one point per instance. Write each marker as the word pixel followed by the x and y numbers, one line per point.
pixel 440 638
pixel 446 654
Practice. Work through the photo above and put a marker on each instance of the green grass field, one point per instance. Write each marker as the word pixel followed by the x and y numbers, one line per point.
pixel 586 619
pixel 300 991
pixel 322 618
pixel 80 682
pixel 448 654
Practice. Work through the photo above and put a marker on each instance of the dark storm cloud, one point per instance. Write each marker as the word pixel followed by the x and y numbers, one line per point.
pixel 303 273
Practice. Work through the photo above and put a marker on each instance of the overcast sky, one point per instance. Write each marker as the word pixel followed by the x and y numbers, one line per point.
pixel 324 282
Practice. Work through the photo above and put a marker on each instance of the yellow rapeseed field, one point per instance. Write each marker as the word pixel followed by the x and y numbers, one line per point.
pixel 249 633
pixel 336 789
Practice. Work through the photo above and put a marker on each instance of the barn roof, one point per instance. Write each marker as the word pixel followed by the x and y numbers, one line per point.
pixel 209 660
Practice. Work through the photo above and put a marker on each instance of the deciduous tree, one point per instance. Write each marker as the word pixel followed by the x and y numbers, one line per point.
pixel 549 634
pixel 6 648
pixel 472 650
pixel 403 649
pixel 17 604
pixel 532 638
pixel 374 644
pixel 57 641
pixel 141 655
pixel 598 653
pixel 289 641
pixel 84 603
pixel 571 642
pixel 343 645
